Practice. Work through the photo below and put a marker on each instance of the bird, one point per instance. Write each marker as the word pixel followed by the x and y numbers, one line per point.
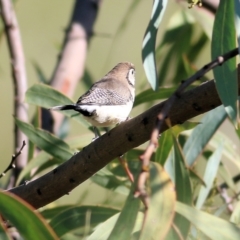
pixel 109 101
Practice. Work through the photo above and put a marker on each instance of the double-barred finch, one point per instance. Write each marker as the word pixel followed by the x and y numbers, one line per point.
pixel 109 100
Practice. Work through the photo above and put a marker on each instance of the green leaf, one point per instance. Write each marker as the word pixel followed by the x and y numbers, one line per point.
pixel 164 147
pixel 29 223
pixel 40 159
pixel 46 141
pixel 149 41
pixel 126 220
pixel 202 134
pixel 235 217
pixel 213 227
pixel 150 95
pixel 182 186
pixel 237 21
pixel 75 217
pixel 103 230
pixel 107 179
pixel 209 176
pixel 51 212
pixel 224 40
pixel 44 96
pixel 161 204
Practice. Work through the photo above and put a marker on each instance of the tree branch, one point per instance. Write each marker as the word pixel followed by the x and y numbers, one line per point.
pixel 119 140
pixel 70 66
pixel 19 80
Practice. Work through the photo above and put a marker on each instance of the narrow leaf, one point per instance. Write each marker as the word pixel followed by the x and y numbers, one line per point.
pixel 209 176
pixel 202 134
pixel 165 144
pixel 40 159
pixel 224 40
pixel 182 186
pixel 149 41
pixel 213 227
pixel 73 218
pixel 150 95
pixel 46 141
pixel 237 21
pixel 30 224
pixel 45 96
pixel 127 218
pixel 161 204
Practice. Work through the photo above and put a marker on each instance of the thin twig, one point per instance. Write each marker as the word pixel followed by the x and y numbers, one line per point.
pixel 124 164
pixel 177 231
pixel 19 79
pixel 140 192
pixel 12 163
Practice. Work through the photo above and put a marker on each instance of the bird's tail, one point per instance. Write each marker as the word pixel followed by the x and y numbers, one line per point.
pixel 64 107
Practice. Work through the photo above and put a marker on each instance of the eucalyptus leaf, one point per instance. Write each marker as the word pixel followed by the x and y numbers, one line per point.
pixel 224 40
pixel 149 41
pixel 46 141
pixel 160 215
pixel 74 217
pixel 29 223
pixel 213 227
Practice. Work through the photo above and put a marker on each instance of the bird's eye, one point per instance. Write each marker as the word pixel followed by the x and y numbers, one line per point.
pixel 131 77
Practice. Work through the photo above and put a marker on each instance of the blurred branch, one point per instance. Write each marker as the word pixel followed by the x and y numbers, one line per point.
pixel 96 155
pixel 164 114
pixel 19 80
pixel 71 63
pixel 12 163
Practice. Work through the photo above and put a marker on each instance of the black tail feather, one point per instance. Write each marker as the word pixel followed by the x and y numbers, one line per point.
pixel 64 107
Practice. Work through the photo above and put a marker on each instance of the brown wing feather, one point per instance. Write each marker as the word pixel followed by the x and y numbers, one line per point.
pixel 106 92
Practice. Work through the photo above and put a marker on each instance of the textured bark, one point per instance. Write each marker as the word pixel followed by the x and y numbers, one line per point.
pixel 19 81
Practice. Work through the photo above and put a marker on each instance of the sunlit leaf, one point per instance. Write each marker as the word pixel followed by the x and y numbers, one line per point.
pixel 224 40
pixel 202 134
pixel 149 41
pixel 213 227
pixel 28 222
pixel 209 176
pixel 235 217
pixel 74 217
pixel 161 204
pixel 127 218
pixel 46 141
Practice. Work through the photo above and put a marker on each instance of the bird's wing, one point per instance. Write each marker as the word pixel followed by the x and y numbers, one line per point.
pixel 102 93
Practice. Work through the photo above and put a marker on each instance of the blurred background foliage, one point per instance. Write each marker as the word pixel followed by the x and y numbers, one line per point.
pixel 183 46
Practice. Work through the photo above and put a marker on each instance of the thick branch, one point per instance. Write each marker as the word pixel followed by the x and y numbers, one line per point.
pixel 19 78
pixel 119 140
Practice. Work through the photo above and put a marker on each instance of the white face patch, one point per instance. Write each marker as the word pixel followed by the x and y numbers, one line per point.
pixel 131 76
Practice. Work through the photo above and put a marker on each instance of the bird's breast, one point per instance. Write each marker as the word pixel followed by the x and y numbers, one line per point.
pixel 105 116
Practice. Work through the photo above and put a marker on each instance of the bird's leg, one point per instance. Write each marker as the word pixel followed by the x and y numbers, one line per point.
pixel 95 133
